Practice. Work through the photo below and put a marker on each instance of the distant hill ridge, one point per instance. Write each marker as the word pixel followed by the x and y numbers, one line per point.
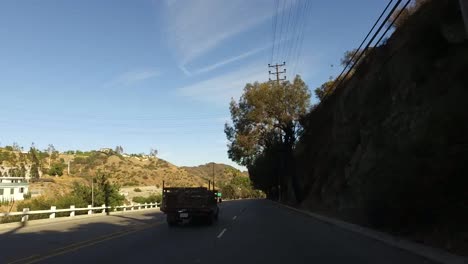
pixel 124 169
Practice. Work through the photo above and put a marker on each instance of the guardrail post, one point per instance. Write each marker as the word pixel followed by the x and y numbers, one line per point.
pixel 25 216
pixel 53 209
pixel 139 206
pixel 131 208
pixel 124 208
pixel 72 212
pixel 90 211
pixel 103 208
pixel 146 205
pixel 115 209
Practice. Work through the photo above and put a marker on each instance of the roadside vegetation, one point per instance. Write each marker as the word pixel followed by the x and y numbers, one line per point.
pixel 152 198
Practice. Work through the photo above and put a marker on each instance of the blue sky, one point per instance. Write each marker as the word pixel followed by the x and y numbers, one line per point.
pixel 155 74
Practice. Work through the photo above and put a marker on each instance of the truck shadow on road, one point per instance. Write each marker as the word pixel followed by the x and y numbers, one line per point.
pixel 196 223
pixel 30 242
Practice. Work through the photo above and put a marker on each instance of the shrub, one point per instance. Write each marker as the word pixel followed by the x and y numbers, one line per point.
pixel 137 190
pixel 139 199
pixel 27 196
pixel 103 190
pixel 5 202
pixel 56 169
pixel 153 198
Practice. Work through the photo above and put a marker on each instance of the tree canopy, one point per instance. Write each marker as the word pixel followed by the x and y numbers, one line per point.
pixel 104 191
pixel 325 89
pixel 267 113
pixel 119 150
pixel 265 123
pixel 153 152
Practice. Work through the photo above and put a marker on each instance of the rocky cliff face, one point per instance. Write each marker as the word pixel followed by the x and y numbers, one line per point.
pixel 391 146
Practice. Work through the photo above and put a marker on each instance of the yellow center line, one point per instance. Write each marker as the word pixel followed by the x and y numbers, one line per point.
pixel 71 245
pixel 24 259
pixel 83 244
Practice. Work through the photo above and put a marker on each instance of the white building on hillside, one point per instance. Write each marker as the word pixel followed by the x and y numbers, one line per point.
pixel 13 188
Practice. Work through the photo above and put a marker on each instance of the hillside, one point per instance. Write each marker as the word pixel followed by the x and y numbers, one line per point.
pixel 390 149
pixel 222 173
pixel 128 171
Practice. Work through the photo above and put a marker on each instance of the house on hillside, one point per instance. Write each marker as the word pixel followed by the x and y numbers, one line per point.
pixel 15 171
pixel 13 188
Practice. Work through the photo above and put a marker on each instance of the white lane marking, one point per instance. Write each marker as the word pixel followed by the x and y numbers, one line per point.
pixel 234 218
pixel 222 233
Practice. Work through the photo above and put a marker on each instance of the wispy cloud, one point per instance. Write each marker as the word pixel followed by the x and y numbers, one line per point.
pixel 221 89
pixel 132 77
pixel 196 27
pixel 230 60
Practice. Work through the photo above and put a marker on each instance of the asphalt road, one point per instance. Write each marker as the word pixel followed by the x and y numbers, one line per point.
pixel 248 231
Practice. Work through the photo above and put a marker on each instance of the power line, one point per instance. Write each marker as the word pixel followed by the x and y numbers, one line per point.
pixel 283 54
pixel 364 40
pixel 274 31
pixel 301 35
pixel 298 34
pixel 281 32
pixel 353 64
pixel 393 22
pixel 296 19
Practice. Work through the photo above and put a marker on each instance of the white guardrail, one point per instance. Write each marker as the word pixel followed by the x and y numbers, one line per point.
pixel 102 210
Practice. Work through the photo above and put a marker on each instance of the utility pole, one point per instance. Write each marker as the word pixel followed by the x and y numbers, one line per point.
pixel 277 71
pixel 50 154
pixel 278 79
pixel 92 191
pixel 213 176
pixel 68 168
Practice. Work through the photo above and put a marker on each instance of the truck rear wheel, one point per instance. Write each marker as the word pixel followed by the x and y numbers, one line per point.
pixel 170 219
pixel 209 219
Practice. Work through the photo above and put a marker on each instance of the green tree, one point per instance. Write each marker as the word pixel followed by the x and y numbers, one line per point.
pixel 241 181
pixel 16 147
pixel 153 152
pixel 50 150
pixel 325 89
pixel 35 164
pixel 104 191
pixel 267 114
pixel 228 191
pixel 9 148
pixel 350 58
pixel 56 169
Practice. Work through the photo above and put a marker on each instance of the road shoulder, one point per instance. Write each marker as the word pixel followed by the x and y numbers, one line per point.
pixel 433 254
